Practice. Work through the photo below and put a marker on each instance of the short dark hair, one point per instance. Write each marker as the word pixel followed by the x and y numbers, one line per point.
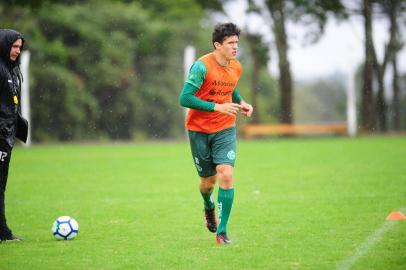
pixel 223 30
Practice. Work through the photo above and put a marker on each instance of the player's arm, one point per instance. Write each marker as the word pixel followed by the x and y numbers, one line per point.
pixel 237 98
pixel 188 99
pixel 247 109
pixel 192 84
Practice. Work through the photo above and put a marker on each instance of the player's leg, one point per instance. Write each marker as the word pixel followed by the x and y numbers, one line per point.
pixel 206 190
pixel 224 154
pixel 201 153
pixel 225 200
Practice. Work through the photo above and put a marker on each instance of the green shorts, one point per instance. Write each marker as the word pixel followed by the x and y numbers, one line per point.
pixel 210 150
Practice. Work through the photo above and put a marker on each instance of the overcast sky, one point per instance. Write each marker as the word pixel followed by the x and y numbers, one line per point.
pixel 339 50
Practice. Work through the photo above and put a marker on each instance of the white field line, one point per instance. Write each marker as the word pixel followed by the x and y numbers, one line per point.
pixel 348 263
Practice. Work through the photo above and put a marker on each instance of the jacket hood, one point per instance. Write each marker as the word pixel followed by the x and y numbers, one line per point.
pixel 7 38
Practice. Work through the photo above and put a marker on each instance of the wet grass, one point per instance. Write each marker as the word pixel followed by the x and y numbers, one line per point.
pixel 300 204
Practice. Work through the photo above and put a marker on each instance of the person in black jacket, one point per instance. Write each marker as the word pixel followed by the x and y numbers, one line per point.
pixel 12 124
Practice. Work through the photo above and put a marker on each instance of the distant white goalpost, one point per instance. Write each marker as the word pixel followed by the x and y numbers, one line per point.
pixel 25 93
pixel 351 105
pixel 189 57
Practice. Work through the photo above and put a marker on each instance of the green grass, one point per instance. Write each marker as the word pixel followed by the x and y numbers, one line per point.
pixel 300 204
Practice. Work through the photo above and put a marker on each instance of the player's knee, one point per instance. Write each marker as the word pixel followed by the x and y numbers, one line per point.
pixel 226 181
pixel 207 183
pixel 207 186
pixel 226 174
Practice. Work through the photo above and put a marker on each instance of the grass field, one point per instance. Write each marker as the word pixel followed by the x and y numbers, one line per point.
pixel 300 204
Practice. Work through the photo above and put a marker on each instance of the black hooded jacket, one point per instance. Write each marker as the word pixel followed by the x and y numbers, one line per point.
pixel 10 87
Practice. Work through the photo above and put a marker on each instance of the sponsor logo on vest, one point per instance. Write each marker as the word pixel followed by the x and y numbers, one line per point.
pixel 222 83
pixel 213 92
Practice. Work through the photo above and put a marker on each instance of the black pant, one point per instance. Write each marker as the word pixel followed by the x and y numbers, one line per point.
pixel 5 156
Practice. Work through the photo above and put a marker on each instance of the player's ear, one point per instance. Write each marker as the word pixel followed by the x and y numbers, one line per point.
pixel 216 44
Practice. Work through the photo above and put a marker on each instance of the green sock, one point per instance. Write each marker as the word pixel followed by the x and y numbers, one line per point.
pixel 225 201
pixel 207 200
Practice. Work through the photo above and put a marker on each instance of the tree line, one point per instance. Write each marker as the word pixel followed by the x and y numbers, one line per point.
pixel 114 69
pixel 376 113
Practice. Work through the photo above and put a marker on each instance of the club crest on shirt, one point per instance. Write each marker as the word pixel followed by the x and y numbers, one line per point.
pixel 231 154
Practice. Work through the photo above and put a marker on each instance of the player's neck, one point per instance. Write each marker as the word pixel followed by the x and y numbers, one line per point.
pixel 221 60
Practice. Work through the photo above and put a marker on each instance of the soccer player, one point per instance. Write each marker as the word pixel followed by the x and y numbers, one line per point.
pixel 12 124
pixel 214 101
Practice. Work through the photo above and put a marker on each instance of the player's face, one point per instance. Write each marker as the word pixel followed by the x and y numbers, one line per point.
pixel 16 49
pixel 229 47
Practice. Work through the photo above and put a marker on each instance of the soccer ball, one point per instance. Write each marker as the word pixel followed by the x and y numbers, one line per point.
pixel 65 228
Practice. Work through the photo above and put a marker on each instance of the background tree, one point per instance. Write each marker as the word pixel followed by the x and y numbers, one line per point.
pixel 367 115
pixel 402 100
pixel 106 69
pixel 376 116
pixel 308 12
pixel 260 58
pixel 391 9
pixel 396 96
pixel 277 10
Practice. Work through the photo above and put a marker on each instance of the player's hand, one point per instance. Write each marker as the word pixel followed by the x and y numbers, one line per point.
pixel 227 108
pixel 247 109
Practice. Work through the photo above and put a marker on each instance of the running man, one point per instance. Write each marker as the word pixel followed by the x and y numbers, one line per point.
pixel 214 101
